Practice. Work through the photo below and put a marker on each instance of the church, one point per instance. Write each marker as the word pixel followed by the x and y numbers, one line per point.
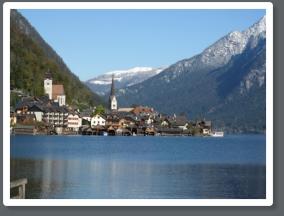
pixel 54 92
pixel 112 98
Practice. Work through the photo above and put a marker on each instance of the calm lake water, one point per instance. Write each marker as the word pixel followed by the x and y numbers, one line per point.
pixel 140 167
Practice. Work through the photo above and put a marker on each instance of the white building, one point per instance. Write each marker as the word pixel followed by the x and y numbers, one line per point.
pixel 48 86
pixel 54 92
pixel 37 111
pixel 57 118
pixel 112 98
pixel 98 120
pixel 74 121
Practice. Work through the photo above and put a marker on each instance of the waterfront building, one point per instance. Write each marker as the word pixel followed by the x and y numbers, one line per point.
pixel 98 120
pixel 207 126
pixel 86 114
pixel 74 121
pixel 13 117
pixel 55 115
pixel 26 119
pixel 126 122
pixel 37 110
pixel 44 110
pixel 165 123
pixel 112 98
pixel 206 131
pixel 181 122
pixel 149 121
pixel 30 106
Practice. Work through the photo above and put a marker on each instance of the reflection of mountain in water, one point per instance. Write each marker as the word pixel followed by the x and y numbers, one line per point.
pixel 98 179
pixel 140 167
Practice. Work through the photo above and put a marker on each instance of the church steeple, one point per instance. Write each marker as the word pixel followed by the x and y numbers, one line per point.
pixel 112 98
pixel 112 91
pixel 48 84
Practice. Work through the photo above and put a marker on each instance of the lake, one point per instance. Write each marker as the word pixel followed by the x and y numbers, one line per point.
pixel 97 167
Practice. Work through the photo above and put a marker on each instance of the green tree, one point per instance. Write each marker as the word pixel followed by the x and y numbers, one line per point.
pixel 99 110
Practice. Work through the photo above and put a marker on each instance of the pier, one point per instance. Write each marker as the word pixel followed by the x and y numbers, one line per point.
pixel 21 185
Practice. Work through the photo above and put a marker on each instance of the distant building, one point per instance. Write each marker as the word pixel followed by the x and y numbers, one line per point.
pixel 30 105
pixel 112 98
pixel 86 115
pixel 98 120
pixel 43 109
pixel 54 92
pixel 58 94
pixel 38 111
pixel 48 85
pixel 126 109
pixel 74 121
pixel 141 110
pixel 13 116
pixel 55 115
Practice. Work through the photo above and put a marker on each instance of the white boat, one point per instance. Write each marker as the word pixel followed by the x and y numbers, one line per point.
pixel 105 133
pixel 217 134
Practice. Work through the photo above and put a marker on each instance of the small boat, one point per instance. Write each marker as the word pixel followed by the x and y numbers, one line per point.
pixel 105 134
pixel 217 134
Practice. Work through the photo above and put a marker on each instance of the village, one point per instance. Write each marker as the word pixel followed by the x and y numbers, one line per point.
pixel 50 115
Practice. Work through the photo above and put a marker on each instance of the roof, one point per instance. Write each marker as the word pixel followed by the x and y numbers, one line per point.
pixel 40 104
pixel 57 90
pixel 36 107
pixel 141 109
pixel 207 124
pixel 126 109
pixel 48 75
pixel 98 116
pixel 181 120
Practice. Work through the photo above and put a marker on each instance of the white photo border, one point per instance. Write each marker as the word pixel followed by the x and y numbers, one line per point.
pixel 268 201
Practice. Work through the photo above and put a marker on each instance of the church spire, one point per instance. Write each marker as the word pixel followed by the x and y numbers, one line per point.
pixel 112 99
pixel 112 91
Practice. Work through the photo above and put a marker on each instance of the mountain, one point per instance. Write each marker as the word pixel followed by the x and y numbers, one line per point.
pixel 224 83
pixel 32 57
pixel 123 78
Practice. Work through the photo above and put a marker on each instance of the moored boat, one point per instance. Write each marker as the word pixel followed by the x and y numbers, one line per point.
pixel 217 134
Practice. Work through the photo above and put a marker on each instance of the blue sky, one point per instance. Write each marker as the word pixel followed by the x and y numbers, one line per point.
pixel 92 42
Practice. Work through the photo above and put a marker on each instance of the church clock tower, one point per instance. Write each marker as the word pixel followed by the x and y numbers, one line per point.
pixel 48 85
pixel 112 98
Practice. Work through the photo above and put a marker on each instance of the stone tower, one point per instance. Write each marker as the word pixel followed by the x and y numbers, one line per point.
pixel 48 85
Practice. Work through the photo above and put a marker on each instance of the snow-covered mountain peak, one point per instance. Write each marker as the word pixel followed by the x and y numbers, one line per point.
pixel 123 78
pixel 131 70
pixel 256 28
pixel 232 44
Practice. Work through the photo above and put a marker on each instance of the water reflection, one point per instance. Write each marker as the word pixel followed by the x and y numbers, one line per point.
pixel 138 179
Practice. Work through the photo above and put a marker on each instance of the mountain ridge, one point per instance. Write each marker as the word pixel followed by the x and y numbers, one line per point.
pixel 123 78
pixel 32 57
pixel 194 86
